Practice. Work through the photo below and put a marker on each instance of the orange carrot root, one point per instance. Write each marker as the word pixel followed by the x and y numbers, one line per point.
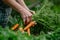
pixel 21 29
pixel 15 26
pixel 28 31
pixel 29 25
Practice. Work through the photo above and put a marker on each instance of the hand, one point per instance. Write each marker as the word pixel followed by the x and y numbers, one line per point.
pixel 33 12
pixel 27 17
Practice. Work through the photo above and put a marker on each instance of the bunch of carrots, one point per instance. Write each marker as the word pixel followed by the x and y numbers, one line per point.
pixel 27 28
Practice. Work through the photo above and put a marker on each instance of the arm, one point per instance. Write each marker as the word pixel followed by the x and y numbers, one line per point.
pixel 21 2
pixel 26 15
pixel 15 5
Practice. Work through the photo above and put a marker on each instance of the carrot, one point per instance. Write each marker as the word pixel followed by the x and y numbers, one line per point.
pixel 28 31
pixel 29 25
pixel 21 29
pixel 15 26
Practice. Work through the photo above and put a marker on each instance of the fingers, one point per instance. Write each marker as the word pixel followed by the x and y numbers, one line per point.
pixel 27 18
pixel 27 21
pixel 33 12
pixel 24 18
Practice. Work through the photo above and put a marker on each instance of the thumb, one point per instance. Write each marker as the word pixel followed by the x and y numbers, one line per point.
pixel 33 12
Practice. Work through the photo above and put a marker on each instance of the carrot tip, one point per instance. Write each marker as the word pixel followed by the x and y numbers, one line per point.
pixel 15 26
pixel 28 31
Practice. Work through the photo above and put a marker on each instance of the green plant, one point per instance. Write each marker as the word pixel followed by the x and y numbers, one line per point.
pixel 47 27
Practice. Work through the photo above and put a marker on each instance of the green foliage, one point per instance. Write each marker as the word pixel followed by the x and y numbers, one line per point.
pixel 46 18
pixel 7 34
pixel 56 2
pixel 47 27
